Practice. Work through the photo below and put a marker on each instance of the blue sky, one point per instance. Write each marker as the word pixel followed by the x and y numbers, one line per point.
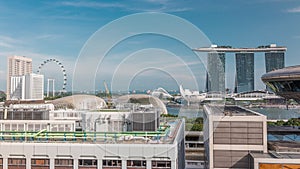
pixel 59 29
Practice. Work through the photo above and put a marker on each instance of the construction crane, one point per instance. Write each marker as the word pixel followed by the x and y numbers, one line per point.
pixel 108 96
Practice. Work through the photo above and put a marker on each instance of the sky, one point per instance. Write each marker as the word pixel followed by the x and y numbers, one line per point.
pixel 64 30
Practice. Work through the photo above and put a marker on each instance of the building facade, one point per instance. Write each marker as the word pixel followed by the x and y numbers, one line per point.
pixel 71 150
pixel 17 88
pixel 244 72
pixel 194 150
pixel 17 66
pixel 274 61
pixel 27 87
pixel 34 86
pixel 215 79
pixel 230 133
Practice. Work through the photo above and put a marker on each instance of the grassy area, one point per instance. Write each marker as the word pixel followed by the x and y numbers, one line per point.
pixel 290 122
pixel 142 101
pixel 194 124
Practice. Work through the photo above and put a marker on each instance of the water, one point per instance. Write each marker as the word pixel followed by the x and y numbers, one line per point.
pixel 271 113
pixel 287 137
pixel 278 113
pixel 185 112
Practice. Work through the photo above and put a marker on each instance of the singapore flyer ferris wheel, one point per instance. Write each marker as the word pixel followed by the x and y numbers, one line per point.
pixel 62 69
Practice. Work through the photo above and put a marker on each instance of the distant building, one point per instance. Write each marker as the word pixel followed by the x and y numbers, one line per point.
pixel 274 61
pixel 215 80
pixel 244 81
pixel 194 150
pixel 284 82
pixel 34 87
pixel 17 66
pixel 17 88
pixel 27 87
pixel 230 133
pixel 244 72
pixel 282 155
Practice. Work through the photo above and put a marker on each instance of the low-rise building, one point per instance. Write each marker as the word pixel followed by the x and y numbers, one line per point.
pixel 163 149
pixel 230 133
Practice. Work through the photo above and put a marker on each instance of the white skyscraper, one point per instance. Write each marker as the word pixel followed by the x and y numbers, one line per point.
pixel 34 87
pixel 27 87
pixel 17 66
pixel 17 88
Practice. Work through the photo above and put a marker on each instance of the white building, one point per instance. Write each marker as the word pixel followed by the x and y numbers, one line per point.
pixel 17 88
pixel 27 87
pixel 34 87
pixel 17 66
pixel 162 149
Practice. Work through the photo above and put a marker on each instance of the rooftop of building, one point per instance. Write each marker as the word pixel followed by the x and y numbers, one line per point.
pixel 20 57
pixel 284 146
pixel 280 149
pixel 80 102
pixel 267 48
pixel 230 110
pixel 275 155
pixel 283 130
pixel 291 72
pixel 166 134
pixel 29 102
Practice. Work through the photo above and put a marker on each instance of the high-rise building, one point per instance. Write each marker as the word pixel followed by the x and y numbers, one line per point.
pixel 17 66
pixel 274 61
pixel 17 88
pixel 244 72
pixel 27 87
pixel 34 86
pixel 215 80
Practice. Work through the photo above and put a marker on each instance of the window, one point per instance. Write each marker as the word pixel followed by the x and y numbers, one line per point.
pixel 87 163
pixel 1 163
pixel 107 164
pixel 136 164
pixel 40 164
pixel 161 164
pixel 20 163
pixel 63 164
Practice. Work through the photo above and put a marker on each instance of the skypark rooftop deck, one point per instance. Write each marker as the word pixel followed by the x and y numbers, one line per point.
pixel 237 50
pixel 165 135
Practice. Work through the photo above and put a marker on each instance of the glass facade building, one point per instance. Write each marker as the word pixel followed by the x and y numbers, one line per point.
pixel 274 61
pixel 244 72
pixel 215 79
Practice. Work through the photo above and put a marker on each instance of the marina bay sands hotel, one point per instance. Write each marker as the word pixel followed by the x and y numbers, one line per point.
pixel 244 58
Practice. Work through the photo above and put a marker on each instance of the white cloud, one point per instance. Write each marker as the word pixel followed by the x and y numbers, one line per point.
pixel 161 9
pixel 6 45
pixel 294 10
pixel 144 6
pixel 8 42
pixel 92 4
pixel 48 36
